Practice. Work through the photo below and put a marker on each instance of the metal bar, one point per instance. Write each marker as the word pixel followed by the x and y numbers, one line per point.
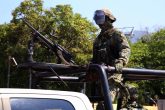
pixel 59 68
pixel 64 78
pixel 105 85
pixel 8 74
pixel 139 71
pixel 58 77
pixel 30 78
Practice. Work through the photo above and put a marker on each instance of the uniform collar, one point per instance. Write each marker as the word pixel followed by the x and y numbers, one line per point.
pixel 109 31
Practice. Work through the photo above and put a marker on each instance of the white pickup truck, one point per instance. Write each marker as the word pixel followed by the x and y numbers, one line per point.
pixel 34 99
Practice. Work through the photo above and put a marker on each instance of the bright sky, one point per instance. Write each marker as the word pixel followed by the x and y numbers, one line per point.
pixel 129 13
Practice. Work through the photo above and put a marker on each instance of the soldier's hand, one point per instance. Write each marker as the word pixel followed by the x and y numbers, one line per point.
pixel 119 66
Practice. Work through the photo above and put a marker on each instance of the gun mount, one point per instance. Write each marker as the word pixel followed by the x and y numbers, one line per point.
pixel 82 74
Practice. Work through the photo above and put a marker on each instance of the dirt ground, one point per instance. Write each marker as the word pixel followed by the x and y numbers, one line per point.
pixel 146 107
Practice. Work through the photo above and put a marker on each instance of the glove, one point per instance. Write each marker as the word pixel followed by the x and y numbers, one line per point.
pixel 119 66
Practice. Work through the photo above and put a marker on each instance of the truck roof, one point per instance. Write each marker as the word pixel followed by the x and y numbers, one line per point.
pixel 39 91
pixel 73 97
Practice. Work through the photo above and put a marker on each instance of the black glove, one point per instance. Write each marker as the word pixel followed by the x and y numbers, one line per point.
pixel 119 66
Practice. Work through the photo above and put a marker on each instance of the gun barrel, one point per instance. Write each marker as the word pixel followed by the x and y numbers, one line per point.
pixel 65 56
pixel 39 36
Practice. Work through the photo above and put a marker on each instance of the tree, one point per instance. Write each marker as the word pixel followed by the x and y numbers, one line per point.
pixel 4 30
pixel 149 52
pixel 59 23
pixel 139 54
pixel 62 23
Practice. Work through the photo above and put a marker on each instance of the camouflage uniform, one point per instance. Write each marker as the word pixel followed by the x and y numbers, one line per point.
pixel 109 47
pixel 112 48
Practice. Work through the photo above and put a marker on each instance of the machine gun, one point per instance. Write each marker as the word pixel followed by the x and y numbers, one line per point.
pixel 62 54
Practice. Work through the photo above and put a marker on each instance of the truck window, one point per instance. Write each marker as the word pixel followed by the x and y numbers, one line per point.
pixel 40 104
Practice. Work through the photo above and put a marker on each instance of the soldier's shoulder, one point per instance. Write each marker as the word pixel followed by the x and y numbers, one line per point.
pixel 114 31
pixel 96 40
pixel 117 31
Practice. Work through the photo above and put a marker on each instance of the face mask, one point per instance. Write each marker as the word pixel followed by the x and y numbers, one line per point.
pixel 106 25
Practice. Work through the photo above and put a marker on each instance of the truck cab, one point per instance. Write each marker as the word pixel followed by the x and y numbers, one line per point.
pixel 37 99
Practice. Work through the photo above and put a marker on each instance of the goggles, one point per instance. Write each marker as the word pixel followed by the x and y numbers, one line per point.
pixel 99 17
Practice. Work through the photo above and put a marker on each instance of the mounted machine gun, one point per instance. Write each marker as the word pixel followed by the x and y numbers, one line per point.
pixel 62 54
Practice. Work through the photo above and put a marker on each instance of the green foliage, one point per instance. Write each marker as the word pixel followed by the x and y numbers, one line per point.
pixel 74 33
pixel 74 29
pixel 3 33
pixel 70 30
pixel 149 53
pixel 58 23
pixel 139 53
pixel 157 50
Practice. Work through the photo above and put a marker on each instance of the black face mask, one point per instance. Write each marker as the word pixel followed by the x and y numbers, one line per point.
pixel 106 25
pixel 102 26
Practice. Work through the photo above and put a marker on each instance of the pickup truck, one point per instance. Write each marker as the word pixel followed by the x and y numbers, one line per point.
pixel 37 99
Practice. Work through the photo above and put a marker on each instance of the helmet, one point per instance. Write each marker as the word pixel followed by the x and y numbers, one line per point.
pixel 109 14
pixel 100 16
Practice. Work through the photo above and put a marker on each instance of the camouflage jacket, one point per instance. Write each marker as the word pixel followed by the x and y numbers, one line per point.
pixel 109 46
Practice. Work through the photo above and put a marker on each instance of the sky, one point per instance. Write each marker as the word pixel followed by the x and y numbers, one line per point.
pixel 140 14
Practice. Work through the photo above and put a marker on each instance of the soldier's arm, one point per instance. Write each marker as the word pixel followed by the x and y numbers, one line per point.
pixel 124 48
pixel 94 59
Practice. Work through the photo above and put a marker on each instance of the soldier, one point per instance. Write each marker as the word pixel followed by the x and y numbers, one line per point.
pixel 111 48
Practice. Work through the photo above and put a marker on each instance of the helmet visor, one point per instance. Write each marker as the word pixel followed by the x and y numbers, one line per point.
pixel 99 17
